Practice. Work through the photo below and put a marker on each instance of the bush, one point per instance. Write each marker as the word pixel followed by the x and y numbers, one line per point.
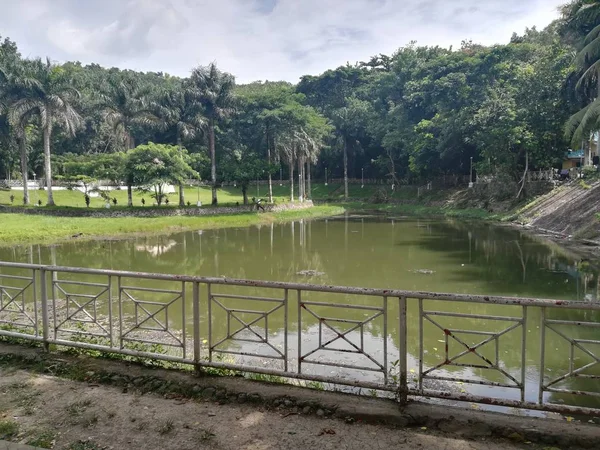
pixel 589 171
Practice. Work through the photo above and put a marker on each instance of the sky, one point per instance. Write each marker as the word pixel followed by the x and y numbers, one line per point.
pixel 256 39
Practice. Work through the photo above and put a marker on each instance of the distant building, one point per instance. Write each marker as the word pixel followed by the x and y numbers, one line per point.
pixel 573 158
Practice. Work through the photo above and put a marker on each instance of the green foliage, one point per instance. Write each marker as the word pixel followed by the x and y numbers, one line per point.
pixel 8 429
pixel 414 115
pixel 156 165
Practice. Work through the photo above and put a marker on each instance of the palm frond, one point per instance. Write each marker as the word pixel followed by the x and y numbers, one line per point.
pixel 583 123
pixel 590 75
pixel 591 52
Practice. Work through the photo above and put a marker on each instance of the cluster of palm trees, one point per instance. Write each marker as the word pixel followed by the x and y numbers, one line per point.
pixel 38 92
pixel 585 17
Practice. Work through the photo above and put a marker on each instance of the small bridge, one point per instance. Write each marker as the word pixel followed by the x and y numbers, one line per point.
pixel 383 341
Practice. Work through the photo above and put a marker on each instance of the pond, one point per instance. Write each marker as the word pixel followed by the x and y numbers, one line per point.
pixel 380 252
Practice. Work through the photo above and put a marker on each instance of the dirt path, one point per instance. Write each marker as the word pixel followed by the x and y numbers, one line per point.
pixel 58 413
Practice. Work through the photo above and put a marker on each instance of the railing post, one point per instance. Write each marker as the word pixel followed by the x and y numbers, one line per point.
pixel 542 354
pixel 402 363
pixel 196 325
pixel 44 295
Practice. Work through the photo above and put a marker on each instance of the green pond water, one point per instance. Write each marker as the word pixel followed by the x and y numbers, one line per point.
pixel 368 251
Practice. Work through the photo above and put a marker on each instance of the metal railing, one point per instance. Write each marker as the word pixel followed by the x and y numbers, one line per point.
pixel 328 334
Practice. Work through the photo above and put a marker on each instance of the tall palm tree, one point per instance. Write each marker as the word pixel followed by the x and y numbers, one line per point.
pixel 17 83
pixel 125 104
pixel 213 89
pixel 585 15
pixel 51 98
pixel 182 113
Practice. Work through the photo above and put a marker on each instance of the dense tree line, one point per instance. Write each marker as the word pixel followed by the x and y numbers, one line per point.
pixel 417 114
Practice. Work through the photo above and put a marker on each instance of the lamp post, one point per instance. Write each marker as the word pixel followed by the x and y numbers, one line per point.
pixel 198 203
pixel 325 176
pixel 471 176
pixel 280 176
pixel 362 177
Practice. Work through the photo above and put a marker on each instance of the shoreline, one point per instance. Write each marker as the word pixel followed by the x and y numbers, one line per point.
pixel 28 228
pixel 23 229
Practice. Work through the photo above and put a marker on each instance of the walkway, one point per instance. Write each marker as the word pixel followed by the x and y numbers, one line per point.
pixel 72 415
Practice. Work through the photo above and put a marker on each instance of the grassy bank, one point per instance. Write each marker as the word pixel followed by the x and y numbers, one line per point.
pixel 21 228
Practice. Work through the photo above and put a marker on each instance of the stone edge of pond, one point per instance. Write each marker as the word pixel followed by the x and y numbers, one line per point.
pixel 289 400
pixel 151 212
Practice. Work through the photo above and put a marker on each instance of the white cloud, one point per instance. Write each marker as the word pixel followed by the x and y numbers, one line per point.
pixel 256 39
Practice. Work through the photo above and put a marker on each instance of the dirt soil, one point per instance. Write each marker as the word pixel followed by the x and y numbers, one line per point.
pixel 63 414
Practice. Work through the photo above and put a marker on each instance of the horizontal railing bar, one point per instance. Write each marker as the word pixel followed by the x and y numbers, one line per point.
pixel 81 283
pixel 356 322
pixel 569 322
pixel 144 289
pixel 478 333
pixel 122 351
pixel 16 288
pixel 248 297
pixel 147 341
pixel 29 337
pixel 82 333
pixel 550 407
pixel 466 380
pixel 252 341
pixel 341 305
pixel 524 301
pixel 232 352
pixel 300 376
pixel 15 277
pixel 90 296
pixel 247 311
pixel 472 316
pixel 345 366
pixel 568 391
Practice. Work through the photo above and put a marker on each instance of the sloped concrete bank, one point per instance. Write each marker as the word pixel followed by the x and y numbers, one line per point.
pixel 292 400
pixel 570 211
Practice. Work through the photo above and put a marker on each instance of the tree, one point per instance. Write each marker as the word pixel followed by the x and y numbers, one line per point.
pixel 242 166
pixel 213 89
pixel 51 99
pixel 125 104
pixel 349 123
pixel 14 84
pixel 584 16
pixel 156 165
pixel 183 115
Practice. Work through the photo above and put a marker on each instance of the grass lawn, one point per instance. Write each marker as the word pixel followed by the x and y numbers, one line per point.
pixel 227 195
pixel 22 228
pixel 75 198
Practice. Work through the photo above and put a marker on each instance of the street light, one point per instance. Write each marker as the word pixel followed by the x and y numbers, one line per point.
pixel 325 176
pixel 198 202
pixel 280 176
pixel 471 176
pixel 362 177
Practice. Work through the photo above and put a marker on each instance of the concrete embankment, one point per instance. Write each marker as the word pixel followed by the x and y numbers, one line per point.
pixel 570 211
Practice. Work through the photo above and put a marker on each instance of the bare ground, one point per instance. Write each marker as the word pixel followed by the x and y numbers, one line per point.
pixel 65 414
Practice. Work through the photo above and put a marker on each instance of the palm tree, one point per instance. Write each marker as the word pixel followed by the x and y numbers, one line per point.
pixel 181 112
pixel 213 89
pixel 585 15
pixel 50 97
pixel 17 83
pixel 125 104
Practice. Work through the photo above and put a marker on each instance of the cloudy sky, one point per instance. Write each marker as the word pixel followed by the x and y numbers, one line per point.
pixel 255 39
